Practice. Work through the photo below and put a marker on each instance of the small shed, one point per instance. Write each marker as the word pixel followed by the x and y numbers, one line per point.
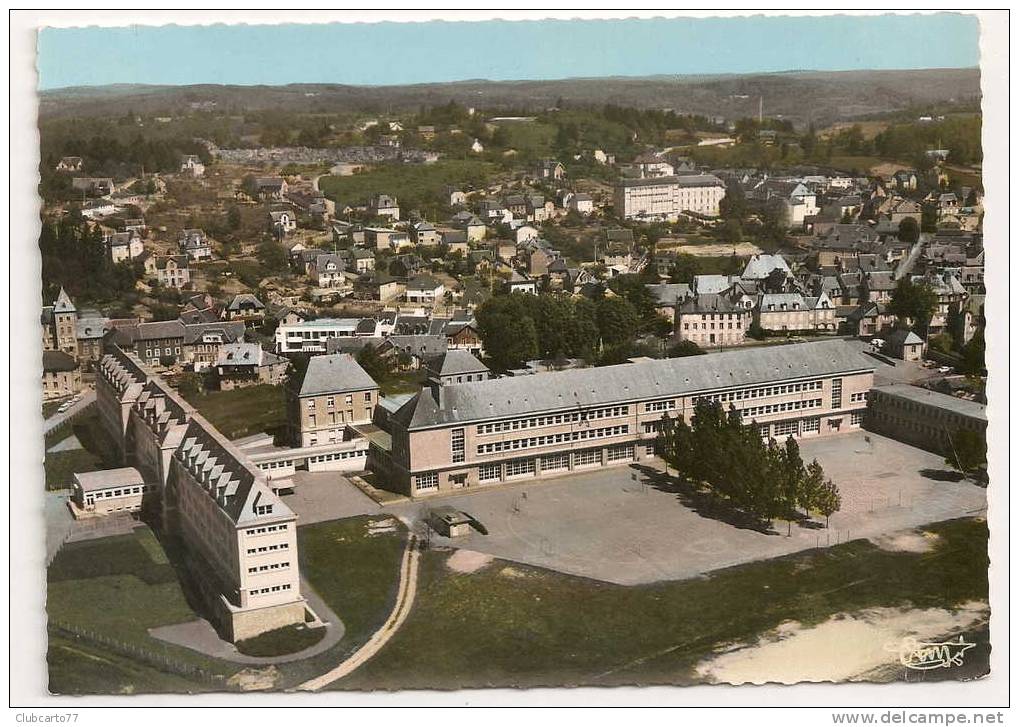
pixel 904 344
pixel 450 522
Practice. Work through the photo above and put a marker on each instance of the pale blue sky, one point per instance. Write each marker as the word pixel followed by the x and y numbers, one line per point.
pixel 401 53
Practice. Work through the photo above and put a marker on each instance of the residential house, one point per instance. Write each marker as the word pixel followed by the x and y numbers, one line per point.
pixel 247 364
pixel 582 203
pixel 424 233
pixel 159 343
pixel 60 375
pixel 282 220
pixel 385 238
pixel 793 312
pixel 70 164
pixel 270 188
pixel 203 341
pixel 172 271
pixel 93 186
pixel 549 169
pixel 194 244
pixel 124 246
pixel 711 319
pixel 522 284
pixel 454 197
pixel 456 367
pixel 90 331
pixel 358 260
pixel 382 205
pixel 328 271
pixel 245 307
pixel 59 325
pixel 191 165
pixel 424 289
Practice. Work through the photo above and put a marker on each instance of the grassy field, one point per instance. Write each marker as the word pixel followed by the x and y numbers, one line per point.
pixel 530 139
pixel 859 164
pixel 96 452
pixel 118 588
pixel 414 185
pixel 357 575
pixel 241 412
pixel 513 625
pixel 407 382
pixel 278 642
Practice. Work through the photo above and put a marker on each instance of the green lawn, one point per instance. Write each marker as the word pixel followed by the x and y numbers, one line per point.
pixel 118 588
pixel 241 412
pixel 414 185
pixel 530 139
pixel 279 642
pixel 357 574
pixel 523 626
pixel 80 667
pixel 61 466
pixel 97 451
pixel 407 382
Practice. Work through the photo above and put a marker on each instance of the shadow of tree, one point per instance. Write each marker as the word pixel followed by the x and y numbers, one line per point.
pixel 704 503
pixel 941 475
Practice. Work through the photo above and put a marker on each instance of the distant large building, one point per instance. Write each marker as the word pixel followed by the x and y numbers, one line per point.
pixel 668 197
pixel 238 539
pixel 483 433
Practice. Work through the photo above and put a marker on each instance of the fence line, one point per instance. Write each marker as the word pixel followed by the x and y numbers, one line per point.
pixel 163 662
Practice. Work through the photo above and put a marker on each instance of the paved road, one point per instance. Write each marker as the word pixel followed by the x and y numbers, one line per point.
pixel 404 602
pixel 57 419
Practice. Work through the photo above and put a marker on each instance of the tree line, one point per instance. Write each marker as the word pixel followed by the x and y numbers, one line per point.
pixel 75 256
pixel 718 451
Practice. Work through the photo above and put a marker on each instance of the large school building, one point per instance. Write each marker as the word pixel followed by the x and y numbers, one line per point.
pixel 480 434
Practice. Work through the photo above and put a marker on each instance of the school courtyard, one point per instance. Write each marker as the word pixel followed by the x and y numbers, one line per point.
pixel 632 525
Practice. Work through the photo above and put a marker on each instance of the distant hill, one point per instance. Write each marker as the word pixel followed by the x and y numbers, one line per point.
pixel 821 97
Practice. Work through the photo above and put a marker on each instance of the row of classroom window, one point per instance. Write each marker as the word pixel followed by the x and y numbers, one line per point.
pixel 588 457
pixel 119 492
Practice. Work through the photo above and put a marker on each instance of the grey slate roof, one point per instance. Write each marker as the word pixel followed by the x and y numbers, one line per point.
pixel 53 361
pixel 936 399
pixel 456 361
pixel 569 390
pixel 335 374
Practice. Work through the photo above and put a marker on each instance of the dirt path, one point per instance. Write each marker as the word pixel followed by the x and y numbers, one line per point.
pixel 404 600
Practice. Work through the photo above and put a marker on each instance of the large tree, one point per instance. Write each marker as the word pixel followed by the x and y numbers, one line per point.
pixel 967 450
pixel 914 302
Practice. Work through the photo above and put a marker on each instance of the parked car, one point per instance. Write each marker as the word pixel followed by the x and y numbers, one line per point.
pixel 944 369
pixel 877 342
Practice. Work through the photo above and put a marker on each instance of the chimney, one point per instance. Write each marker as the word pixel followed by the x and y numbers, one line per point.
pixel 436 388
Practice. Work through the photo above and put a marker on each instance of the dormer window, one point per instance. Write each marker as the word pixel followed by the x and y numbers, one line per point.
pixel 263 509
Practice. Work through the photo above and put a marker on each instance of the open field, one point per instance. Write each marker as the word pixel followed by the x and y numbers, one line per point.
pixel 418 185
pixel 242 412
pixel 507 625
pixel 117 588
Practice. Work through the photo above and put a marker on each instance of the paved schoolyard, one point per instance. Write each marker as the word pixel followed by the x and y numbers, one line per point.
pixel 632 525
pixel 321 496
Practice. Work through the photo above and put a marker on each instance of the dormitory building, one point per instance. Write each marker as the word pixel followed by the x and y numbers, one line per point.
pixel 238 538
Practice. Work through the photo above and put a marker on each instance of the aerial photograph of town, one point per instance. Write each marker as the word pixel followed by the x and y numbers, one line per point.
pixel 542 379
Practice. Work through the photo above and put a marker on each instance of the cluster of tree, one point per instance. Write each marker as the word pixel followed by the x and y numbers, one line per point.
pixel 764 480
pixel 75 256
pixel 959 134
pixel 967 451
pixel 914 302
pixel 518 328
